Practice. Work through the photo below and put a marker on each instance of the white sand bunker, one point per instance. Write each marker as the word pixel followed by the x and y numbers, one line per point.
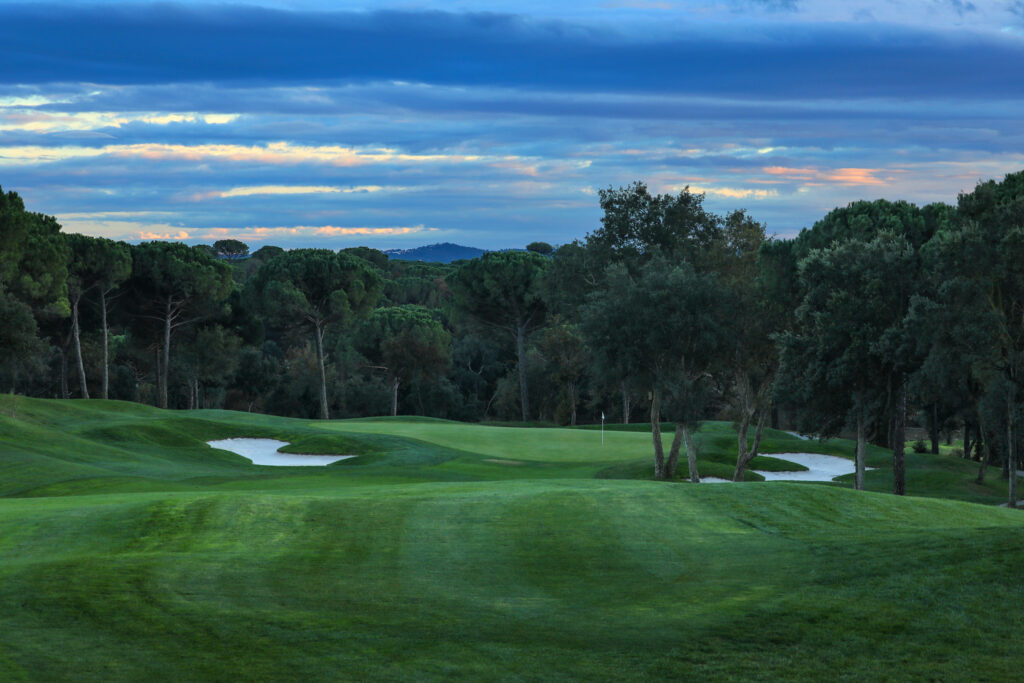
pixel 819 468
pixel 265 452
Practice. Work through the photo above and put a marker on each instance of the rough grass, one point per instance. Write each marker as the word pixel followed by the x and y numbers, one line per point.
pixel 130 550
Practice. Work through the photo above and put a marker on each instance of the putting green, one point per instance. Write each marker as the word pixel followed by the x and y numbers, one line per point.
pixel 514 443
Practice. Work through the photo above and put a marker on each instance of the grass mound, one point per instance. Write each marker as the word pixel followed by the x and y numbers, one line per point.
pixel 129 549
pixel 557 579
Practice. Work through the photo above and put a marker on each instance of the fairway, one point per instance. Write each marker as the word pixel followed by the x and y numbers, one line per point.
pixel 131 550
pixel 516 443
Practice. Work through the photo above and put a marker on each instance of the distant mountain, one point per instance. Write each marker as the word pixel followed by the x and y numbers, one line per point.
pixel 436 253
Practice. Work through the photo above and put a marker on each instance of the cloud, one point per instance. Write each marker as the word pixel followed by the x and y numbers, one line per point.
pixel 291 233
pixel 295 189
pixel 736 192
pixel 19 118
pixel 271 153
pixel 27 101
pixel 179 236
pixel 839 176
pixel 120 228
pixel 336 231
pixel 344 128
pixel 163 43
pixel 716 190
pixel 117 225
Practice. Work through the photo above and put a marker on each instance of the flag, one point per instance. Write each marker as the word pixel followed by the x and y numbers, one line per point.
pixel 602 416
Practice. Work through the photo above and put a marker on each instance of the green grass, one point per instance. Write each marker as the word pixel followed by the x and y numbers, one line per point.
pixel 130 550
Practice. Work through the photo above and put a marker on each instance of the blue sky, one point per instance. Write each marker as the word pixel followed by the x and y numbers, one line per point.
pixel 493 124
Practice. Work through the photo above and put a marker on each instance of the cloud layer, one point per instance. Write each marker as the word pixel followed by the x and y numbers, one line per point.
pixel 302 126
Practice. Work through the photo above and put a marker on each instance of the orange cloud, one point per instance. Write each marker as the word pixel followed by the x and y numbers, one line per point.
pixel 180 235
pixel 855 176
pixel 840 176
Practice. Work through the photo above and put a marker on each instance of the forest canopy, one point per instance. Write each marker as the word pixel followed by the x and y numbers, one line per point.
pixel 881 315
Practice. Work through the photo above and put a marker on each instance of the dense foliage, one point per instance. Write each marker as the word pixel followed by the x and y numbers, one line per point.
pixel 881 316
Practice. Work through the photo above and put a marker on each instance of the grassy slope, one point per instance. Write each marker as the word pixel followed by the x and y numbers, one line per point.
pixel 424 558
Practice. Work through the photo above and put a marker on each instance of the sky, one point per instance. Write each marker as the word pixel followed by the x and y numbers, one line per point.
pixel 494 124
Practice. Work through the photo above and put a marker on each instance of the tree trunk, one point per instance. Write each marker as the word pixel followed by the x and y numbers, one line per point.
pixel 319 334
pixel 524 394
pixel 899 433
pixel 741 469
pixel 967 439
pixel 625 404
pixel 1011 448
pixel 76 333
pixel 394 397
pixel 691 454
pixel 106 344
pixel 673 453
pixel 659 449
pixel 757 438
pixel 167 356
pixel 933 432
pixel 741 447
pixel 862 442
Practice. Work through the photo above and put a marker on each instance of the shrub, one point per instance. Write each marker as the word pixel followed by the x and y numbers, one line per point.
pixel 920 447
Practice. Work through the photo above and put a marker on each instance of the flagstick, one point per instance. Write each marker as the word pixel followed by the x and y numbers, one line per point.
pixel 602 427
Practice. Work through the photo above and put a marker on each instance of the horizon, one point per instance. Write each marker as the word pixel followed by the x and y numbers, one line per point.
pixel 493 125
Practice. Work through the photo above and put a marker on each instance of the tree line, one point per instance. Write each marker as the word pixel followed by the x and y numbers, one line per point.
pixel 881 314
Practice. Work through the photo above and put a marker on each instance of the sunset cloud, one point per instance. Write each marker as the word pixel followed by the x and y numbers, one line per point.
pixel 840 176
pixel 178 236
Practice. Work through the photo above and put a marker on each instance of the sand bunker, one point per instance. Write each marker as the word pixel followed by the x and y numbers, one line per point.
pixel 265 452
pixel 819 468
